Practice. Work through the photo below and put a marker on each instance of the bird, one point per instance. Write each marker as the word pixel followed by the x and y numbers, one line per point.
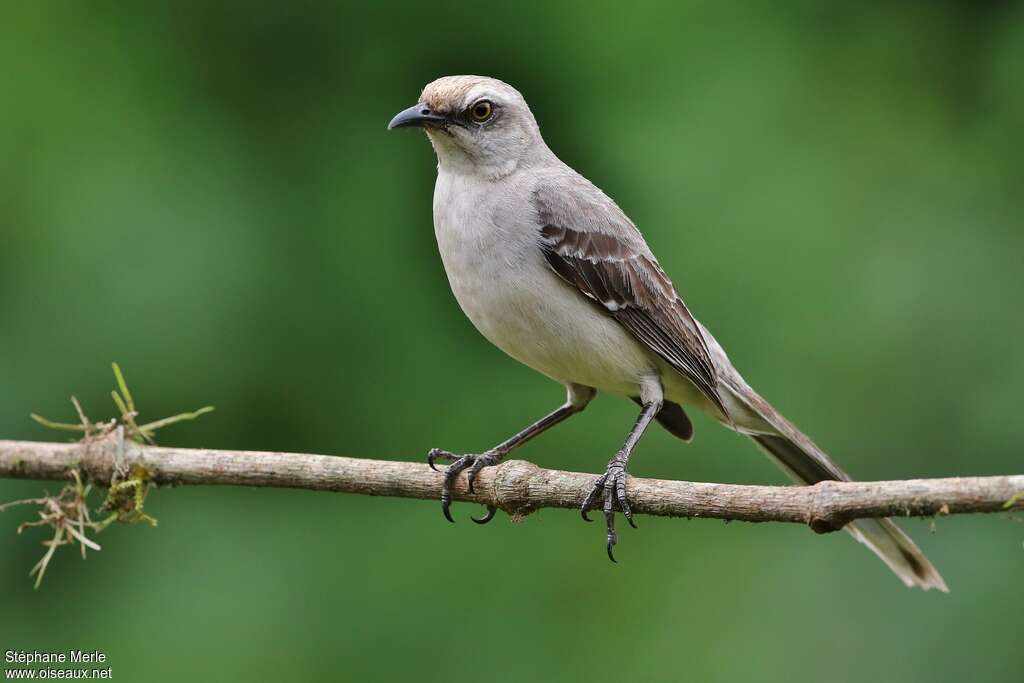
pixel 550 270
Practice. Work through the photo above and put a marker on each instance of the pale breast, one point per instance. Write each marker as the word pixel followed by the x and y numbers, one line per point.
pixel 499 276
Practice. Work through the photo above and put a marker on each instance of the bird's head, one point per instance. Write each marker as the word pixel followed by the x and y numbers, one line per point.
pixel 476 124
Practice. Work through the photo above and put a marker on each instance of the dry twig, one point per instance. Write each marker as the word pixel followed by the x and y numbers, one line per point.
pixel 519 487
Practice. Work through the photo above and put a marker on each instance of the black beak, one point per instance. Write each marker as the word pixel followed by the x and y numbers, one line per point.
pixel 417 115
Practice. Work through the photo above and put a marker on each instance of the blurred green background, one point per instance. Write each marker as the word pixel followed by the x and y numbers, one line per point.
pixel 207 194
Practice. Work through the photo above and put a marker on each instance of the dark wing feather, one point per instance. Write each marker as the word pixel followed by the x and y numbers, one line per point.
pixel 620 275
pixel 675 421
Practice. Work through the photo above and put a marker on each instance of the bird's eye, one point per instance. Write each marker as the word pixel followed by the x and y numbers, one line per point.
pixel 481 111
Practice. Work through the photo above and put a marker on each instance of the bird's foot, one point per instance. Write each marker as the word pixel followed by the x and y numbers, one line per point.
pixel 612 484
pixel 474 463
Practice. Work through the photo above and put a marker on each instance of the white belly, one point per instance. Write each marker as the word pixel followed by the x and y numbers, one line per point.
pixel 503 284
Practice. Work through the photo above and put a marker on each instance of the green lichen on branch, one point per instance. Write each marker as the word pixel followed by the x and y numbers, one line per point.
pixel 125 499
pixel 68 512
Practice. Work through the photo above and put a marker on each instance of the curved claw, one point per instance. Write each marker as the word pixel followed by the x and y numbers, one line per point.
pixel 446 489
pixel 611 487
pixel 612 536
pixel 588 502
pixel 446 486
pixel 491 511
pixel 472 462
pixel 620 496
pixel 436 453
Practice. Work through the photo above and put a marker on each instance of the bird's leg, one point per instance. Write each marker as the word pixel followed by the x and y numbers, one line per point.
pixel 613 482
pixel 576 400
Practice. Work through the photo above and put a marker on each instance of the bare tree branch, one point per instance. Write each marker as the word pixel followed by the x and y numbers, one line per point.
pixel 516 486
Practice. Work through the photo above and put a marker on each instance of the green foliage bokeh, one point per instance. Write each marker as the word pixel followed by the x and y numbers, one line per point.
pixel 207 194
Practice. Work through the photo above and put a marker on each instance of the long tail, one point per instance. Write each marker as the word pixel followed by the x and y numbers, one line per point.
pixel 805 463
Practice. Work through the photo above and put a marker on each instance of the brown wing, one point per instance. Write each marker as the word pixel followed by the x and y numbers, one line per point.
pixel 620 274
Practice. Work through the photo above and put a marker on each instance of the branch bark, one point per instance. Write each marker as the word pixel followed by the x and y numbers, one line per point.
pixel 516 486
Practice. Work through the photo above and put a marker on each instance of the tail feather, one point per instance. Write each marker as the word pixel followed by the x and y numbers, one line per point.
pixel 896 549
pixel 805 463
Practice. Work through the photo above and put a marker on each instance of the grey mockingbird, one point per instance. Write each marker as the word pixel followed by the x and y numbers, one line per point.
pixel 552 272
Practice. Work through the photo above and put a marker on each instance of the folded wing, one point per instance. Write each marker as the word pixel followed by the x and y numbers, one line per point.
pixel 592 245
